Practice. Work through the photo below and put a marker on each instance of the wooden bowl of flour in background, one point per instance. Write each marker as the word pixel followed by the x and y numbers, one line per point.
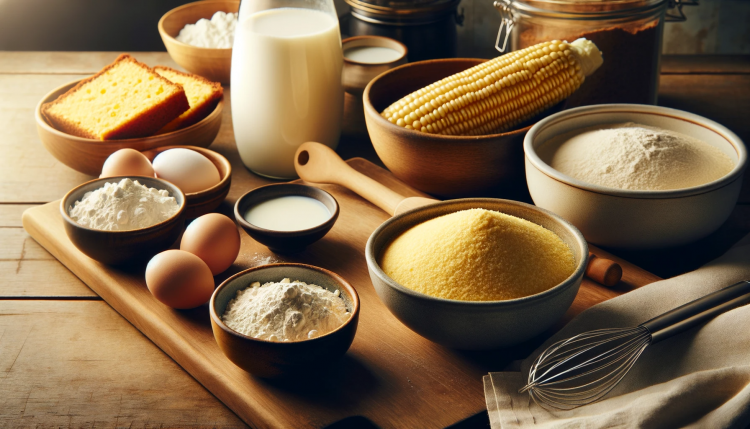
pixel 213 64
pixel 88 155
pixel 444 166
pixel 629 218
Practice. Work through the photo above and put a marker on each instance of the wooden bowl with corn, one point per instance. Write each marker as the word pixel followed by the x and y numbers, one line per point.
pixel 455 127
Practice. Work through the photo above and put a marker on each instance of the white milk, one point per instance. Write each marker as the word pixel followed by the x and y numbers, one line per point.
pixel 291 213
pixel 372 54
pixel 286 86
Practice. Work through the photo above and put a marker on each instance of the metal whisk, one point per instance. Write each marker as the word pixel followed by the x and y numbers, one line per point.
pixel 584 368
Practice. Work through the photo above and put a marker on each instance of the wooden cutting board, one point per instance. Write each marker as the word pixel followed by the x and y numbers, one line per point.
pixel 390 376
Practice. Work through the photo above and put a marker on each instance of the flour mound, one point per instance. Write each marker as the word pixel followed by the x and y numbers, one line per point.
pixel 123 206
pixel 636 157
pixel 285 311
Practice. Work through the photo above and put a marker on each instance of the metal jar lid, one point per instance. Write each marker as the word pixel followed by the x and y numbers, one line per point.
pixel 403 12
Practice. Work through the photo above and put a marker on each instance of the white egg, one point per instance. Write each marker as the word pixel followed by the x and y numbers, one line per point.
pixel 188 169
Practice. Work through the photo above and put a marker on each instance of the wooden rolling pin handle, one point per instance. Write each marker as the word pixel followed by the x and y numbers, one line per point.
pixel 603 271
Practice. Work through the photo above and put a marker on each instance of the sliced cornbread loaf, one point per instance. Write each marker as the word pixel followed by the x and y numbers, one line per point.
pixel 202 94
pixel 127 99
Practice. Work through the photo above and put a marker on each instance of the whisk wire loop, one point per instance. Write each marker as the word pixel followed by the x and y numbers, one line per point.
pixel 584 368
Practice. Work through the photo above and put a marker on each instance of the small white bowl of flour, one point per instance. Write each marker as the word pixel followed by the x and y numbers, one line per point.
pixel 635 176
pixel 281 319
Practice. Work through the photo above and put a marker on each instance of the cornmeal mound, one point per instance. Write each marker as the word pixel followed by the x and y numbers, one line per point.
pixel 478 255
pixel 202 94
pixel 125 100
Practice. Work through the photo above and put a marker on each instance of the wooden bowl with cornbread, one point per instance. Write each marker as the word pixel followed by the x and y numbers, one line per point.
pixel 87 155
pixel 214 64
pixel 475 324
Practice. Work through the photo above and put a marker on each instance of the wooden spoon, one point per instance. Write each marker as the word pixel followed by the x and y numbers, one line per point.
pixel 318 163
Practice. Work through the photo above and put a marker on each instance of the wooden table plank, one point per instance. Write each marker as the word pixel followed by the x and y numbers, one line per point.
pixel 79 364
pixel 48 279
pixel 17 245
pixel 28 173
pixel 10 214
pixel 12 62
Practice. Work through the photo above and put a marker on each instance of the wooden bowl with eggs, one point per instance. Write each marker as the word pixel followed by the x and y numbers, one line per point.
pixel 213 64
pixel 88 155
pixel 277 359
pixel 202 202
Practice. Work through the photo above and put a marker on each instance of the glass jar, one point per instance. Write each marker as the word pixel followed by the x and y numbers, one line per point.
pixel 286 82
pixel 426 27
pixel 628 32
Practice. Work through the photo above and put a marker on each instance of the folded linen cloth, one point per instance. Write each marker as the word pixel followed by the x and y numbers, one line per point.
pixel 699 378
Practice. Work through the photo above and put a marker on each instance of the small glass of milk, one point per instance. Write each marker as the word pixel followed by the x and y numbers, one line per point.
pixel 368 56
pixel 286 81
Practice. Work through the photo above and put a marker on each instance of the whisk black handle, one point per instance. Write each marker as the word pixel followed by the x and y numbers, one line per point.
pixel 696 312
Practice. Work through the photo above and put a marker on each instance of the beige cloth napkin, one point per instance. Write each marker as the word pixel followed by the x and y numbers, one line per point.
pixel 699 379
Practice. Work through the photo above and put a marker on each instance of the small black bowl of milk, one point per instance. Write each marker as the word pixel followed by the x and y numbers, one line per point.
pixel 286 217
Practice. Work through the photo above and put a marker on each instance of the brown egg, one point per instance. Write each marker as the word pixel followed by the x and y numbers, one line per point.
pixel 127 162
pixel 179 279
pixel 214 238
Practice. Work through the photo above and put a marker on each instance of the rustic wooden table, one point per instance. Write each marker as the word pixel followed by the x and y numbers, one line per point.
pixel 68 359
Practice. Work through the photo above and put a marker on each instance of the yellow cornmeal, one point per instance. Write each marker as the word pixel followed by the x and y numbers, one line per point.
pixel 478 255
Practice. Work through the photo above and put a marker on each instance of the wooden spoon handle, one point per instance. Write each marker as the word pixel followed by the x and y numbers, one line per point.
pixel 603 271
pixel 318 163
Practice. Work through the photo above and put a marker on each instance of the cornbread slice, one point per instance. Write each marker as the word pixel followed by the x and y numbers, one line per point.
pixel 125 100
pixel 203 96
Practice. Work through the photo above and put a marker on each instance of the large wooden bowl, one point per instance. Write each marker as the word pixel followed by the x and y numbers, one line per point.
pixel 88 155
pixel 213 64
pixel 206 201
pixel 271 359
pixel 445 166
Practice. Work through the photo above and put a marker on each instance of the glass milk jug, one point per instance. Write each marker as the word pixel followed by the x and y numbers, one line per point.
pixel 286 81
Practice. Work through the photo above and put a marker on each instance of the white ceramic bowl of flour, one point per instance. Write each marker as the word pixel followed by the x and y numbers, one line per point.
pixel 633 219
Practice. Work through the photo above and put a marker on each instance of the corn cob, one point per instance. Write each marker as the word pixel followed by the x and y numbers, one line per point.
pixel 498 94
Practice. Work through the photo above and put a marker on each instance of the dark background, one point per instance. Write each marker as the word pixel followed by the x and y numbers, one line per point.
pixel 714 27
pixel 82 25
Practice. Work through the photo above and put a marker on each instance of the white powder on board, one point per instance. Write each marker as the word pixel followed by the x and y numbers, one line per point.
pixel 123 206
pixel 285 311
pixel 216 33
pixel 636 157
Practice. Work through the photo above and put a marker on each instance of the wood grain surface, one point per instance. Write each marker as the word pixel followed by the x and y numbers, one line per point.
pixel 61 394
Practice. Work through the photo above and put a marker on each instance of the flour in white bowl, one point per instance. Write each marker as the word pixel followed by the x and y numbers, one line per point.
pixel 123 206
pixel 216 33
pixel 285 311
pixel 636 157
